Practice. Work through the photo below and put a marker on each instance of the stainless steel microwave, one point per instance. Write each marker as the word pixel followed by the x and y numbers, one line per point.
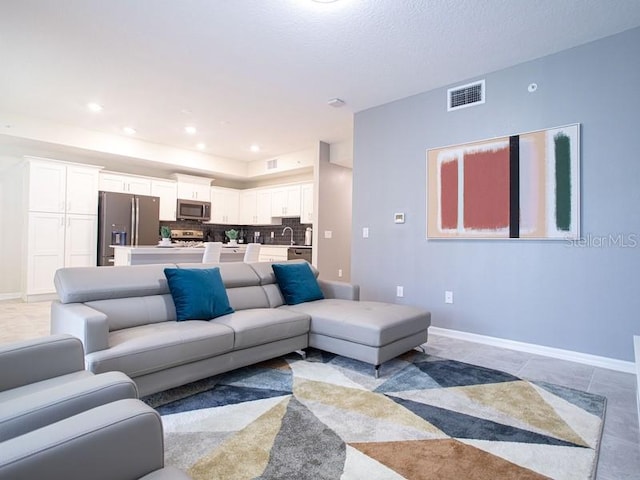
pixel 193 210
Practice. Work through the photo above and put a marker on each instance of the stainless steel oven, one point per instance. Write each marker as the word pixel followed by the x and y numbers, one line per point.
pixel 193 210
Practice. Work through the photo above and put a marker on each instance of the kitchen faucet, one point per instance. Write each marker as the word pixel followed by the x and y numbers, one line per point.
pixel 285 229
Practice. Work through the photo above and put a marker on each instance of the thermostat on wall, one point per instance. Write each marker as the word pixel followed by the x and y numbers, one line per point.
pixel 398 218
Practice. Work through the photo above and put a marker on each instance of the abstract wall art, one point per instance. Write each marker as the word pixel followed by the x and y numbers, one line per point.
pixel 521 186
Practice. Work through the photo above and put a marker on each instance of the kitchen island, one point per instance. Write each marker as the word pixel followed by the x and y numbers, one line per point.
pixel 152 254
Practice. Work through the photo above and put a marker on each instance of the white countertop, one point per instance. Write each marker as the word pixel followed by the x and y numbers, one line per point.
pixel 155 249
pixel 269 245
pixel 159 249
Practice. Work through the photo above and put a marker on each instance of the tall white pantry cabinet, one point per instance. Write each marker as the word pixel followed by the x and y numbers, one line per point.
pixel 62 225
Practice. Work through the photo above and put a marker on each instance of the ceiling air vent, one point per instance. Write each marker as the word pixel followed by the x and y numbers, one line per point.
pixel 465 95
pixel 271 164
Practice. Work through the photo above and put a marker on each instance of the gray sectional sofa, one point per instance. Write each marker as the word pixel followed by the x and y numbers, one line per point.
pixel 126 320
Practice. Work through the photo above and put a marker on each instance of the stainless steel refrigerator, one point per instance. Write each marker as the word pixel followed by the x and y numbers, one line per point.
pixel 125 219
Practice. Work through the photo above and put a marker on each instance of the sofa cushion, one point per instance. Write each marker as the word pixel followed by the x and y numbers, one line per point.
pixel 258 326
pixel 33 406
pixel 198 294
pixel 158 346
pixel 234 274
pixel 241 282
pixel 297 283
pixel 368 323
pixel 135 311
pixel 243 298
pixel 83 284
pixel 264 271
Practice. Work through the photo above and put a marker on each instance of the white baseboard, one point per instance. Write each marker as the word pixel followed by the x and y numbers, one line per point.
pixel 10 296
pixel 588 359
pixel 636 348
pixel 41 297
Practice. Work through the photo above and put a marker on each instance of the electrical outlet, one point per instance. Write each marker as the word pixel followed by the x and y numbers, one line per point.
pixel 365 232
pixel 448 296
pixel 399 291
pixel 339 272
pixel 328 234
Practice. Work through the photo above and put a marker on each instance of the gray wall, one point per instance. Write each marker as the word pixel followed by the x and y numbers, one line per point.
pixel 13 223
pixel 333 201
pixel 581 298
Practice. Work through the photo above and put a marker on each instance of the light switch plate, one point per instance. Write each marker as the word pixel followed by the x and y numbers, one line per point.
pixel 365 232
pixel 328 234
pixel 398 217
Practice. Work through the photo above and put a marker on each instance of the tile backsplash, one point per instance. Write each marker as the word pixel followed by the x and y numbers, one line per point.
pixel 215 232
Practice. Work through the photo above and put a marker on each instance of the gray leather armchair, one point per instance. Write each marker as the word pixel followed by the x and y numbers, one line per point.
pixel 118 441
pixel 59 421
pixel 43 381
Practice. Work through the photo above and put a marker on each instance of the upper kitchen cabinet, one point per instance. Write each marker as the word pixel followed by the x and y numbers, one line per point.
pixel 285 201
pixel 193 188
pixel 306 209
pixel 255 207
pixel 225 206
pixel 58 187
pixel 168 193
pixel 117 182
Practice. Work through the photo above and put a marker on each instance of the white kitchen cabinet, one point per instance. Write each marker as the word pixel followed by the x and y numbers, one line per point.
pixel 45 251
pixel 306 208
pixel 273 253
pixel 58 187
pixel 168 193
pixel 80 241
pixel 248 207
pixel 82 190
pixel 57 240
pixel 47 186
pixel 225 206
pixel 263 208
pixel 194 191
pixel 193 188
pixel 120 183
pixel 62 226
pixel 255 207
pixel 285 201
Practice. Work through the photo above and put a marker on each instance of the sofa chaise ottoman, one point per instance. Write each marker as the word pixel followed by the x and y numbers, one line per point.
pixel 126 319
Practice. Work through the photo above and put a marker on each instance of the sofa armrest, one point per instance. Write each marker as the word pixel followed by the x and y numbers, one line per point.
pixel 30 361
pixel 341 290
pixel 117 441
pixel 83 322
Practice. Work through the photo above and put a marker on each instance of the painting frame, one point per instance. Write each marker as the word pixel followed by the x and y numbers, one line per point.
pixel 523 186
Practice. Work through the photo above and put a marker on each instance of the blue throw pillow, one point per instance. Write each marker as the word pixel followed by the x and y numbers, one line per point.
pixel 198 294
pixel 297 283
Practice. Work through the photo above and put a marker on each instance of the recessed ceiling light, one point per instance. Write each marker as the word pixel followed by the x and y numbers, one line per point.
pixel 190 129
pixel 201 146
pixel 94 107
pixel 254 148
pixel 129 130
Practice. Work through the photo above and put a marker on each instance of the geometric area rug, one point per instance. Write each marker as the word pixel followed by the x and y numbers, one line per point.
pixel 328 417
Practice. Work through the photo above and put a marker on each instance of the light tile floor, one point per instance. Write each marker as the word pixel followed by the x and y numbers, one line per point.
pixel 620 449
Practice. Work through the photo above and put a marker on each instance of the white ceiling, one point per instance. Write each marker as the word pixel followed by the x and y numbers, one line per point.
pixel 262 71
